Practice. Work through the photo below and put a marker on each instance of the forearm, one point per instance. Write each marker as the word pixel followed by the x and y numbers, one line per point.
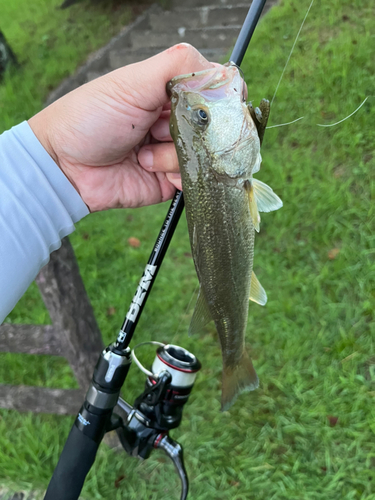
pixel 38 207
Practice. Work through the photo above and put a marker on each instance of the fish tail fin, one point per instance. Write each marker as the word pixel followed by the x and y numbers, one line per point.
pixel 238 379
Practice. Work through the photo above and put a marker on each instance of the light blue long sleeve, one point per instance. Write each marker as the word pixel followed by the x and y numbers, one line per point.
pixel 38 207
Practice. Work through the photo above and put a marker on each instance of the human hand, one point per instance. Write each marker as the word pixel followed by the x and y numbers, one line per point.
pixel 111 136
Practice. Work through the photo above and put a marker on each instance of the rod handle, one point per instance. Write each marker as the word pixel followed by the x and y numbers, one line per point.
pixel 74 464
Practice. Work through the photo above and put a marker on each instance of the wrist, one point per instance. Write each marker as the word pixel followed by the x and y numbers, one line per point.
pixel 41 129
pixel 39 125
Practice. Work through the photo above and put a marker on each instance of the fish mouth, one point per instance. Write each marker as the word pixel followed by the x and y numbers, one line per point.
pixel 213 84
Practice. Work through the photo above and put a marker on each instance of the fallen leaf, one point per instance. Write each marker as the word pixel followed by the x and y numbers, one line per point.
pixel 367 157
pixel 118 481
pixel 85 236
pixel 134 242
pixel 234 483
pixel 333 253
pixel 111 311
pixel 332 420
pixel 351 356
pixel 339 171
pixel 264 466
pixel 188 254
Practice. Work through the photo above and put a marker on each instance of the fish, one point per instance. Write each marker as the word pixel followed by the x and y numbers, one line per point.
pixel 217 139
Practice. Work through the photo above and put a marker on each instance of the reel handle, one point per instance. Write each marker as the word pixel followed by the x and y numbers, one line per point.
pixel 175 452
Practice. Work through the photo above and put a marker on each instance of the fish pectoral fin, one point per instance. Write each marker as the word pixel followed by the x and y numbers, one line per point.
pixel 201 315
pixel 239 378
pixel 253 204
pixel 257 292
pixel 266 199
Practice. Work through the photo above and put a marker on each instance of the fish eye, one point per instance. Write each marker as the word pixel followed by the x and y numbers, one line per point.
pixel 200 116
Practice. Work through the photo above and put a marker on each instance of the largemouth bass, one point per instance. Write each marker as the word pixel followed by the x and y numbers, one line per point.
pixel 217 138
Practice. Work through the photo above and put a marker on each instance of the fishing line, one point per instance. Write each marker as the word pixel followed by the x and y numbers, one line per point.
pixel 186 310
pixel 351 114
pixel 243 79
pixel 239 137
pixel 321 124
pixel 291 52
pixel 289 123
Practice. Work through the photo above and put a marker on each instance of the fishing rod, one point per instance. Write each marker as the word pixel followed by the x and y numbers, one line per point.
pixel 145 425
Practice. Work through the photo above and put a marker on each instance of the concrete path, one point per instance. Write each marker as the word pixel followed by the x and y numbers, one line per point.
pixel 212 26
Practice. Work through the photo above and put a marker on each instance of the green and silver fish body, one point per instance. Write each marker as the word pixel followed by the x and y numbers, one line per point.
pixel 218 148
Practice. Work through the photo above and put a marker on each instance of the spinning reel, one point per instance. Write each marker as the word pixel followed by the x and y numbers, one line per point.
pixel 141 428
pixel 159 408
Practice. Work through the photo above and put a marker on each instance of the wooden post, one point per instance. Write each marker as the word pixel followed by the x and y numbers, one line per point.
pixel 74 334
pixel 64 294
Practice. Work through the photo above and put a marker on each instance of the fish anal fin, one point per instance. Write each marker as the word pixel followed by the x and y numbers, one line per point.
pixel 201 315
pixel 237 379
pixel 252 204
pixel 257 292
pixel 266 199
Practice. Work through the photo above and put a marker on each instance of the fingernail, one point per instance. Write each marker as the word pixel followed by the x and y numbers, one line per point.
pixel 164 129
pixel 174 176
pixel 146 158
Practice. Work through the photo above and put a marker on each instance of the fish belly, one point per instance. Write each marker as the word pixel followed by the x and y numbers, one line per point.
pixel 222 237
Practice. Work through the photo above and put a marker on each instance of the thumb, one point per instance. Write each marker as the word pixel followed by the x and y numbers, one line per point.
pixel 148 79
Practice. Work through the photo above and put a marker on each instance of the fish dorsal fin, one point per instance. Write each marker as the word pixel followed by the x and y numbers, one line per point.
pixel 257 292
pixel 266 199
pixel 260 116
pixel 201 315
pixel 248 185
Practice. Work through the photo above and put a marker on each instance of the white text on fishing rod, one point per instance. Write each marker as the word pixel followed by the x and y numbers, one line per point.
pixel 140 294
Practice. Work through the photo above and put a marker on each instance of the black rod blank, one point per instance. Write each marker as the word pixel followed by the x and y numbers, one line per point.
pixel 247 31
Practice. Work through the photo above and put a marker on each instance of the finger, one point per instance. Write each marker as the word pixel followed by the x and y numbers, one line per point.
pixel 149 77
pixel 175 179
pixel 160 130
pixel 160 157
pixel 166 113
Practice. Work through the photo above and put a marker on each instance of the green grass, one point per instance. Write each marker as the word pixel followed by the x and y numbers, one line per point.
pixel 312 344
pixel 49 44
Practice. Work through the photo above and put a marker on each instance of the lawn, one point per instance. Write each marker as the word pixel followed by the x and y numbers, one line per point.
pixel 308 432
pixel 49 44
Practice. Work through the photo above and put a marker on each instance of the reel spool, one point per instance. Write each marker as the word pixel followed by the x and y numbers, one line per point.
pixel 183 368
